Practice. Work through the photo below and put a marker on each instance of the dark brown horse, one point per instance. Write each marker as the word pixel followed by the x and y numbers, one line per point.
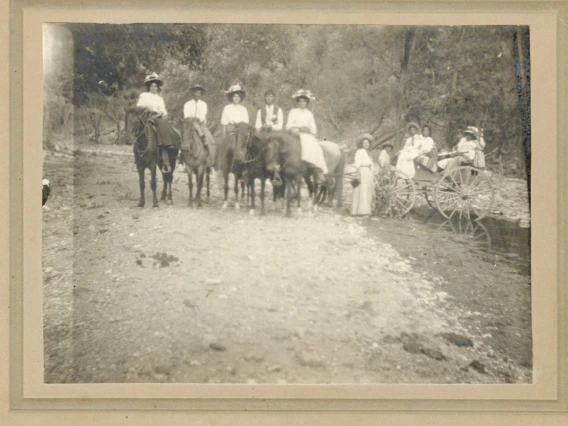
pixel 148 155
pixel 197 160
pixel 259 150
pixel 232 158
pixel 288 160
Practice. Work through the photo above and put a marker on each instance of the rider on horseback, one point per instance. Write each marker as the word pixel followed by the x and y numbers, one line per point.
pixel 196 109
pixel 301 120
pixel 154 111
pixel 270 117
pixel 234 113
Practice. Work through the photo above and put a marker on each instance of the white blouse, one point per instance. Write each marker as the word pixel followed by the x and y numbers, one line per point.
pixel 384 158
pixel 301 118
pixel 233 114
pixel 153 102
pixel 362 158
pixel 193 109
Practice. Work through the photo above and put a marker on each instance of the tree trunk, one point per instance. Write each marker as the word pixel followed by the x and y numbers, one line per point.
pixel 521 52
pixel 401 104
pixel 451 98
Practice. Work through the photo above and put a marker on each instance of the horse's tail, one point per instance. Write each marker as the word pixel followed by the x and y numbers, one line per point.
pixel 339 171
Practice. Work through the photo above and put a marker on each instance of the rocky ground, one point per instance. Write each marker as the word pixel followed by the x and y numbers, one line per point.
pixel 179 294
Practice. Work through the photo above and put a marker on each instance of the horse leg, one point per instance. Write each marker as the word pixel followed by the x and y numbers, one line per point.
pixel 208 181
pixel 251 186
pixel 142 185
pixel 170 181
pixel 165 186
pixel 190 184
pixel 153 184
pixel 200 172
pixel 226 188
pixel 289 196
pixel 237 206
pixel 262 185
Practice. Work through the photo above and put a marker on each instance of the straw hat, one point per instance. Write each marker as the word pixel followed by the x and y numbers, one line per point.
pixel 474 131
pixel 366 136
pixel 235 89
pixel 197 87
pixel 302 93
pixel 153 78
pixel 412 124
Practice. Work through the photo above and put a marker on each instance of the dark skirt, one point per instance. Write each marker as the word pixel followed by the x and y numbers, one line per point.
pixel 164 129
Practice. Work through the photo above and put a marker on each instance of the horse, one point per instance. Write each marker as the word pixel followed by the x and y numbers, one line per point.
pixel 197 160
pixel 258 149
pixel 148 155
pixel 332 189
pixel 232 157
pixel 288 160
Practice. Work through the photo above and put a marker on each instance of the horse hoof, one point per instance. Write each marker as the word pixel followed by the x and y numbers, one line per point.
pixel 251 212
pixel 315 208
pixel 224 205
pixel 299 211
pixel 155 205
pixel 199 205
pixel 140 204
pixel 237 206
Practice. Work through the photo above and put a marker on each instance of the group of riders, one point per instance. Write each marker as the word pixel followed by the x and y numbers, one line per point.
pixel 419 148
pixel 269 118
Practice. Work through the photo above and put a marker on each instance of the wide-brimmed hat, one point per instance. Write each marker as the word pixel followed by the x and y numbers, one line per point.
pixel 153 78
pixel 412 124
pixel 367 136
pixel 235 89
pixel 385 145
pixel 302 93
pixel 474 131
pixel 197 87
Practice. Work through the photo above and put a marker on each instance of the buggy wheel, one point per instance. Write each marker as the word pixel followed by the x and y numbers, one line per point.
pixel 428 194
pixel 395 193
pixel 464 191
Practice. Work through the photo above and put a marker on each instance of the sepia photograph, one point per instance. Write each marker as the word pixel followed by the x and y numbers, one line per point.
pixel 286 204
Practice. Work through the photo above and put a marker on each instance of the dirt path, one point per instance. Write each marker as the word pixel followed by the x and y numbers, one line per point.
pixel 178 294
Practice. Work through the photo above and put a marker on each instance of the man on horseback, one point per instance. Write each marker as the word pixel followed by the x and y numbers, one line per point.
pixel 301 120
pixel 270 117
pixel 153 113
pixel 196 109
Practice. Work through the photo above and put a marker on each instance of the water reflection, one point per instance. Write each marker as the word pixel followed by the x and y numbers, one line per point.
pixel 492 239
pixel 465 229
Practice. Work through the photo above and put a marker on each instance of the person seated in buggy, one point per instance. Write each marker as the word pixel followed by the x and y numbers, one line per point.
pixel 417 148
pixel 153 110
pixel 468 150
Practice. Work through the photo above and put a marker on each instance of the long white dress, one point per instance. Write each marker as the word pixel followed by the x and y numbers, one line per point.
pixel 363 194
pixel 414 147
pixel 312 151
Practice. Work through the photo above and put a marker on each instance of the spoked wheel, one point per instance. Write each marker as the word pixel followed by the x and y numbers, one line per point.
pixel 395 193
pixel 464 191
pixel 429 195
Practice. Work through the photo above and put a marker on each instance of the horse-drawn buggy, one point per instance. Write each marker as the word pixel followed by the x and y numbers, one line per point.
pixel 459 190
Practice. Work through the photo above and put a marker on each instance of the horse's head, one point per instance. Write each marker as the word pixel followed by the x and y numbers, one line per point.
pixel 131 125
pixel 243 138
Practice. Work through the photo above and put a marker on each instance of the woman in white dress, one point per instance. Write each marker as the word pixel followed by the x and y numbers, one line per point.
pixel 234 113
pixel 363 193
pixel 301 120
pixel 153 105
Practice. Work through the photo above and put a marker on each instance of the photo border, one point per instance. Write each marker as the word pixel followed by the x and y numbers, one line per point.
pixel 23 241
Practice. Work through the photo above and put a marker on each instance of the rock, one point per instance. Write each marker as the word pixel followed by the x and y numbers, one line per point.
pixel 388 339
pixel 49 270
pixel 162 369
pixel 138 262
pixel 213 281
pixel 477 366
pixel 309 360
pixel 251 356
pixel 412 347
pixel 434 354
pixel 189 303
pixel 300 332
pixel 217 346
pixel 274 368
pixel 457 339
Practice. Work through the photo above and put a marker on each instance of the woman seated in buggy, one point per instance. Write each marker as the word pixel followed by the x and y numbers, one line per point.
pixel 469 150
pixel 418 148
